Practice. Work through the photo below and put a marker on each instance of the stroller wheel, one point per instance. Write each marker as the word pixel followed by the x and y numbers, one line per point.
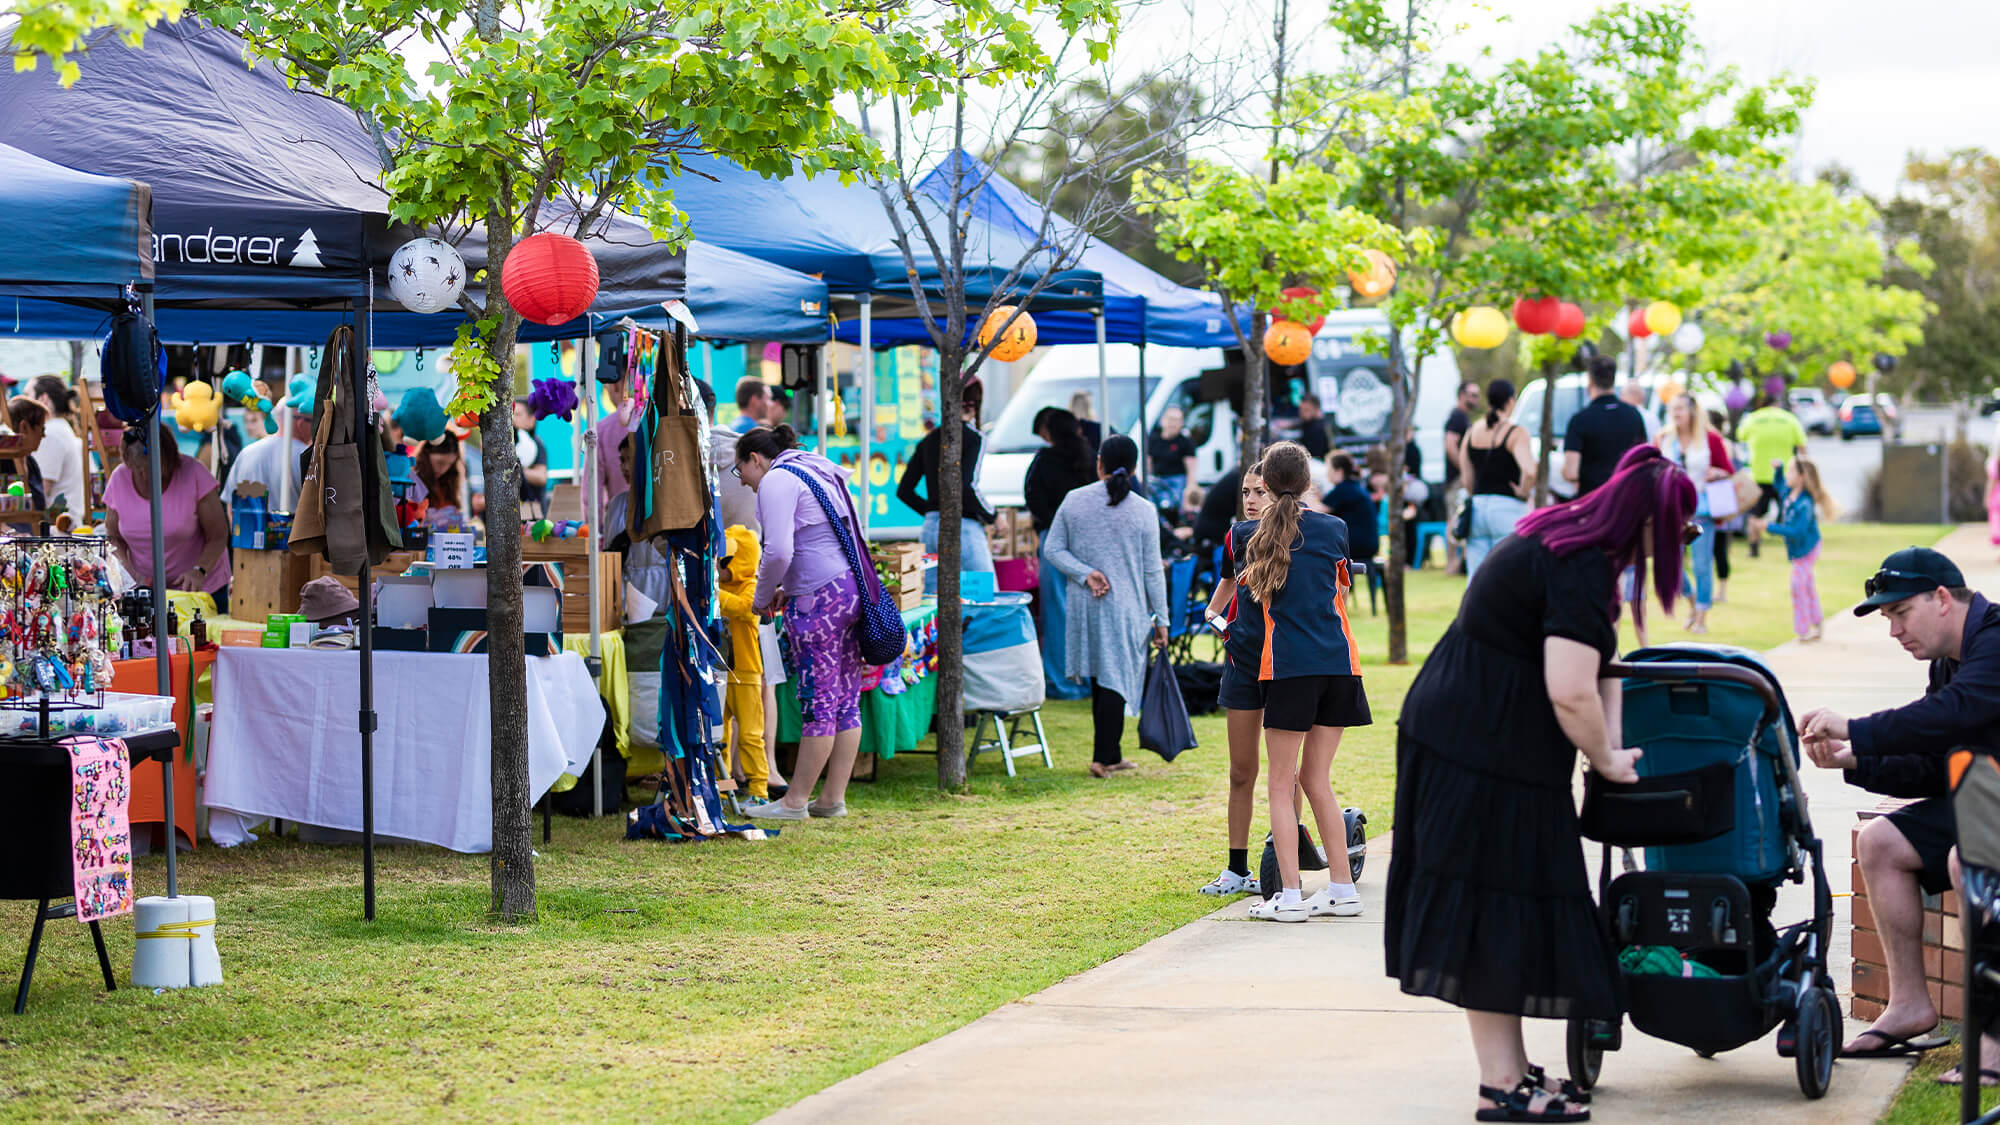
pixel 1819 1030
pixel 1585 1060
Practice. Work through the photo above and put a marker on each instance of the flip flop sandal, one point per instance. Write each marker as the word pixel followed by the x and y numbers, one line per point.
pixel 1518 1105
pixel 1987 1078
pixel 1893 1046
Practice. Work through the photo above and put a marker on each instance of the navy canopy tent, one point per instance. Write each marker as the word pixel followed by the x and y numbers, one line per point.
pixel 70 231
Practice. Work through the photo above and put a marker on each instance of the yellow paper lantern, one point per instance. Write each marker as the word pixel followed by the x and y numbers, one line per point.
pixel 1841 374
pixel 1481 326
pixel 1018 339
pixel 1662 317
pixel 1380 278
pixel 1287 343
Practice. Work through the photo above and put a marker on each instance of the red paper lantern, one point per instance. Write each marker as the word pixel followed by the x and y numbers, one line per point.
pixel 1637 324
pixel 1301 293
pixel 1536 316
pixel 549 278
pixel 1569 321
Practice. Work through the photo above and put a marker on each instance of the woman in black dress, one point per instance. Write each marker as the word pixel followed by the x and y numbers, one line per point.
pixel 1489 905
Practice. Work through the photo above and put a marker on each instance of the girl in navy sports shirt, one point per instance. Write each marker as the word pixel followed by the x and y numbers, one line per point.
pixel 1241 696
pixel 1293 590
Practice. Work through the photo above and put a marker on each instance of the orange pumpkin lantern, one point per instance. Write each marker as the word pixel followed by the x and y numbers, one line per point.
pixel 1841 374
pixel 1380 278
pixel 1018 338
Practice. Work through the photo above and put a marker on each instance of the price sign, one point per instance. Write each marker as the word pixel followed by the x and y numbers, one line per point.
pixel 453 550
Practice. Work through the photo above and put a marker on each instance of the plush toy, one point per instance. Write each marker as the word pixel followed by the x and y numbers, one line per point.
pixel 299 393
pixel 420 416
pixel 552 397
pixel 196 408
pixel 540 530
pixel 239 389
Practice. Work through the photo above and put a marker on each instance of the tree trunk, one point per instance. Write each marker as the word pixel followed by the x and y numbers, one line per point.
pixel 506 649
pixel 1256 392
pixel 1403 378
pixel 951 614
pixel 1548 433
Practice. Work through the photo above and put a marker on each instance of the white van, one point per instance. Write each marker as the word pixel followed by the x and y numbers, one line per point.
pixel 1573 393
pixel 1346 377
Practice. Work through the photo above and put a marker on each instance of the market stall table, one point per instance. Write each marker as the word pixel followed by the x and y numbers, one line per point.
pixel 149 804
pixel 891 724
pixel 284 743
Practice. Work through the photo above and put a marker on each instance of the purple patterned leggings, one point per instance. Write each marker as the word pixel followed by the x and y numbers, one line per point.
pixel 825 657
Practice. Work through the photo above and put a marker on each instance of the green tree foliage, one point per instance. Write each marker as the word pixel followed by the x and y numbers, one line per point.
pixel 512 114
pixel 1587 171
pixel 56 29
pixel 1952 215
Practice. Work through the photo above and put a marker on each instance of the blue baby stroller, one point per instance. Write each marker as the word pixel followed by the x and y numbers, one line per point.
pixel 1718 810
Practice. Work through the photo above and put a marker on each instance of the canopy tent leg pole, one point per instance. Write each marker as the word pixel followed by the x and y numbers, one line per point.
pixel 1145 425
pixel 1103 377
pixel 366 721
pixel 284 422
pixel 867 415
pixel 163 641
pixel 595 661
pixel 821 397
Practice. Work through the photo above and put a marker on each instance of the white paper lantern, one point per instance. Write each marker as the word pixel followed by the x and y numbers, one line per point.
pixel 1689 338
pixel 426 275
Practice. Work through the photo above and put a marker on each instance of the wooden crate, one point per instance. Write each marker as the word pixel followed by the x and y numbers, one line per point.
pixel 396 563
pixel 262 583
pixel 574 556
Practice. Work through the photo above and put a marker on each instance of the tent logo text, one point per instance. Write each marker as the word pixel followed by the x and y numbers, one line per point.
pixel 206 248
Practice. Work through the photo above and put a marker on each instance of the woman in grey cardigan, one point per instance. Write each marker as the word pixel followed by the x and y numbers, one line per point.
pixel 1110 550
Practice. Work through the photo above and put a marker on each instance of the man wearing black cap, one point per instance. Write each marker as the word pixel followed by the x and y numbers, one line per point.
pixel 1901 753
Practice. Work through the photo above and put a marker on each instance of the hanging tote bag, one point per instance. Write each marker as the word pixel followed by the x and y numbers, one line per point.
pixel 881 623
pixel 678 498
pixel 1164 727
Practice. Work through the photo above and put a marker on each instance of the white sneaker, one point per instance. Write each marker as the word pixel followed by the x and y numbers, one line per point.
pixel 1322 903
pixel 1230 883
pixel 773 810
pixel 1278 910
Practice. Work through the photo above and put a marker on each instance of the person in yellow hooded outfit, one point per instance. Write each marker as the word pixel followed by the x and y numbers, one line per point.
pixel 743 701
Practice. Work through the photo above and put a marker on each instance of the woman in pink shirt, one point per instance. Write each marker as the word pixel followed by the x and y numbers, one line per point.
pixel 805 573
pixel 191 514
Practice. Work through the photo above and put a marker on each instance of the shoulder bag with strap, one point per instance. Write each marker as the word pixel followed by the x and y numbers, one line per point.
pixel 880 623
pixel 677 498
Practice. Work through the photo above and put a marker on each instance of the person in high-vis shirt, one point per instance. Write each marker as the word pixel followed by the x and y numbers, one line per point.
pixel 1293 586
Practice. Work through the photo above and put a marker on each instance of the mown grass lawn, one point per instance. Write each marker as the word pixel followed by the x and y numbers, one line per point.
pixel 1924 1102
pixel 714 983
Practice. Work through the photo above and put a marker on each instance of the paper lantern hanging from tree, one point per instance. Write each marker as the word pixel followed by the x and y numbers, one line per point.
pixel 1570 321
pixel 1380 278
pixel 1662 317
pixel 1841 374
pixel 1778 341
pixel 1481 326
pixel 549 278
pixel 1287 343
pixel 1301 293
pixel 1636 324
pixel 1537 316
pixel 1670 390
pixel 426 275
pixel 1017 339
pixel 1736 398
pixel 1689 338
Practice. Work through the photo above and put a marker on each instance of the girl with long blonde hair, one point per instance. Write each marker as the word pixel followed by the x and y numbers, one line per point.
pixel 1798 521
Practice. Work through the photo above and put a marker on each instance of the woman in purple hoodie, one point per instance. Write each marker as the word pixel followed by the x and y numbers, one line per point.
pixel 805 573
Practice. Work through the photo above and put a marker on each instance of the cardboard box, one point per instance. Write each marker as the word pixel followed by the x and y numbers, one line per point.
pixel 402 614
pixel 262 583
pixel 249 512
pixel 458 620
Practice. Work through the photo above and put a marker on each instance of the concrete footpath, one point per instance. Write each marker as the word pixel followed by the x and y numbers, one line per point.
pixel 1230 1019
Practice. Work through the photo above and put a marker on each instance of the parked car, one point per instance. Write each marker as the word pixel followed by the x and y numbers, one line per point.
pixel 1813 411
pixel 1345 376
pixel 1860 417
pixel 1990 404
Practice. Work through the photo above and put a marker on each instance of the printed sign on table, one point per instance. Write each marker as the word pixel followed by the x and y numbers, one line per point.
pixel 100 830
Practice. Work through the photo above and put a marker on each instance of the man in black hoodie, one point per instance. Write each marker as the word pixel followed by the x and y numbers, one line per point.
pixel 1902 752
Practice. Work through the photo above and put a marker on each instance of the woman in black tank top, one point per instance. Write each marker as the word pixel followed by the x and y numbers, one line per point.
pixel 1494 461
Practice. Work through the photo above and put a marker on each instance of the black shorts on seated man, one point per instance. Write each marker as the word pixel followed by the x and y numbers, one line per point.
pixel 1902 752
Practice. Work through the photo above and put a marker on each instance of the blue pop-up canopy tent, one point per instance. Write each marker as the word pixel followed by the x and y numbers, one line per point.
pixel 843 234
pixel 69 231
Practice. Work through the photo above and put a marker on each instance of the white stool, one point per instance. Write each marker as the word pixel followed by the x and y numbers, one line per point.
pixel 176 942
pixel 1009 739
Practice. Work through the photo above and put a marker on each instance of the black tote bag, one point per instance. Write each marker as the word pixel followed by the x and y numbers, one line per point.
pixel 1164 727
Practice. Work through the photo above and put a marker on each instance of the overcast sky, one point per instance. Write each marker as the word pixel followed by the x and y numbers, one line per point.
pixel 1892 77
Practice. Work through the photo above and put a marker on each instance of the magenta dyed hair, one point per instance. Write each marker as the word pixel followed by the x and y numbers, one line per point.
pixel 1646 490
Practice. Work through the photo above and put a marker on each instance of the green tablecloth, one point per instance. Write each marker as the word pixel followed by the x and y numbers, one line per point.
pixel 890 724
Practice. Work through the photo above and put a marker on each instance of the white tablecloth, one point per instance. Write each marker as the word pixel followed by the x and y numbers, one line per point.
pixel 286 744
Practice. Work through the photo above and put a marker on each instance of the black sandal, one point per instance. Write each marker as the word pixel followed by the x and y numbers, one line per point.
pixel 1565 1089
pixel 1518 1105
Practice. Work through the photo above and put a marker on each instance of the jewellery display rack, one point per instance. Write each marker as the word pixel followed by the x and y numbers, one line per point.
pixel 58 624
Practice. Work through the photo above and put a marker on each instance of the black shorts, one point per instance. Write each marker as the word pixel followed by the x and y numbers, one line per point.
pixel 1932 830
pixel 1767 496
pixel 1239 691
pixel 1300 703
